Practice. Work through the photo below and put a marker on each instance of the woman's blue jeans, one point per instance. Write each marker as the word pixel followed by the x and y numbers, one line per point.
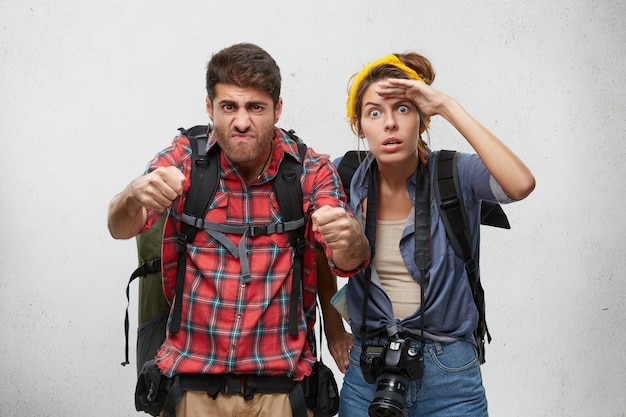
pixel 451 385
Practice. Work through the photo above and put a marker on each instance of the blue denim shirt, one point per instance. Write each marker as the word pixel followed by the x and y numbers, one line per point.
pixel 449 310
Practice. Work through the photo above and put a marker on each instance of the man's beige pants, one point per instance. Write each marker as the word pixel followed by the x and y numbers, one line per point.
pixel 199 404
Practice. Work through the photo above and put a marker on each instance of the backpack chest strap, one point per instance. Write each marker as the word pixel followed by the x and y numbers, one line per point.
pixel 248 229
pixel 217 230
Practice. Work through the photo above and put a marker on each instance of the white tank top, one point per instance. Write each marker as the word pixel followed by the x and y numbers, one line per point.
pixel 397 282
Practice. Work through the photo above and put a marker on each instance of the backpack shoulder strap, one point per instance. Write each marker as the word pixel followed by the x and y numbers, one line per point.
pixel 287 186
pixel 347 166
pixel 451 204
pixel 205 170
pixel 288 191
pixel 448 192
pixel 452 209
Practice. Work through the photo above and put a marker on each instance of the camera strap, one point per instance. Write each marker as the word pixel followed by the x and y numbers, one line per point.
pixel 423 249
pixel 370 232
pixel 423 243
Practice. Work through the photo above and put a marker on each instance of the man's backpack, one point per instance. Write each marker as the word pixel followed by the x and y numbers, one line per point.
pixel 452 209
pixel 154 308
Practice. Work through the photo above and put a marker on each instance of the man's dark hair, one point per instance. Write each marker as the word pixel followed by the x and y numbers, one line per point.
pixel 244 65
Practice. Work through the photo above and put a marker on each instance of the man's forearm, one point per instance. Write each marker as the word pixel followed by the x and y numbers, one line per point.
pixel 126 217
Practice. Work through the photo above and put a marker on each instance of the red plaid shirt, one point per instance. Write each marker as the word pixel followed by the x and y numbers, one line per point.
pixel 229 326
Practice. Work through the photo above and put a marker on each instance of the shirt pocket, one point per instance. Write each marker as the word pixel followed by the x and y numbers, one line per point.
pixel 217 214
pixel 278 240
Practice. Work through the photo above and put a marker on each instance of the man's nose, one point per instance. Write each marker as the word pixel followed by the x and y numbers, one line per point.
pixel 242 120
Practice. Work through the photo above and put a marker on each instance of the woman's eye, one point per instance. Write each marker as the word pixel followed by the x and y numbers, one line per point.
pixel 403 109
pixel 374 114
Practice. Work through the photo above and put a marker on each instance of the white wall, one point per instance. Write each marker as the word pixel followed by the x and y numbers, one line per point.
pixel 90 90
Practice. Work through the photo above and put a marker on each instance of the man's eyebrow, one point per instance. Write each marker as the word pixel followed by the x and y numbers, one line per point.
pixel 226 101
pixel 247 104
pixel 256 103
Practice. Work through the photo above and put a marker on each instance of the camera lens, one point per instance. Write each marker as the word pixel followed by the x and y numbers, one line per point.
pixel 390 396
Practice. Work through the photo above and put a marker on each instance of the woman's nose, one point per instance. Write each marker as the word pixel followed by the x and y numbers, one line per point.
pixel 390 123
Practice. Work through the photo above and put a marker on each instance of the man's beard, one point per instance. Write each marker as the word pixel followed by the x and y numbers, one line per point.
pixel 248 152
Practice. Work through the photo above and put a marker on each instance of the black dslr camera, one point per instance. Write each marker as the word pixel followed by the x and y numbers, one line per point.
pixel 396 363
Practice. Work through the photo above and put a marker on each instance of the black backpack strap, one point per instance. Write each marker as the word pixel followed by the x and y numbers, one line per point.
pixel 288 191
pixel 205 170
pixel 146 268
pixel 452 211
pixel 347 165
pixel 451 204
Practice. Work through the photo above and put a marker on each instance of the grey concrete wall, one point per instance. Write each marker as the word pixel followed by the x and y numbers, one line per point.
pixel 89 91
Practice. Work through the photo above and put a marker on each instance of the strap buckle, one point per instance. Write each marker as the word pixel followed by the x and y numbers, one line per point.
pixel 181 242
pixel 153 265
pixel 470 267
pixel 234 385
pixel 449 203
pixel 300 246
pixel 257 230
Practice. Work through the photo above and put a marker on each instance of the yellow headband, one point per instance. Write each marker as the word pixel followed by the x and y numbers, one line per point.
pixel 390 60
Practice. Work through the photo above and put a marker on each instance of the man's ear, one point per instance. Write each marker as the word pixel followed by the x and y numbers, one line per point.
pixel 278 110
pixel 209 107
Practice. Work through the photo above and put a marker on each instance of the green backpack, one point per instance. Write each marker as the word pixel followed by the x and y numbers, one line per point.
pixel 320 388
pixel 153 306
